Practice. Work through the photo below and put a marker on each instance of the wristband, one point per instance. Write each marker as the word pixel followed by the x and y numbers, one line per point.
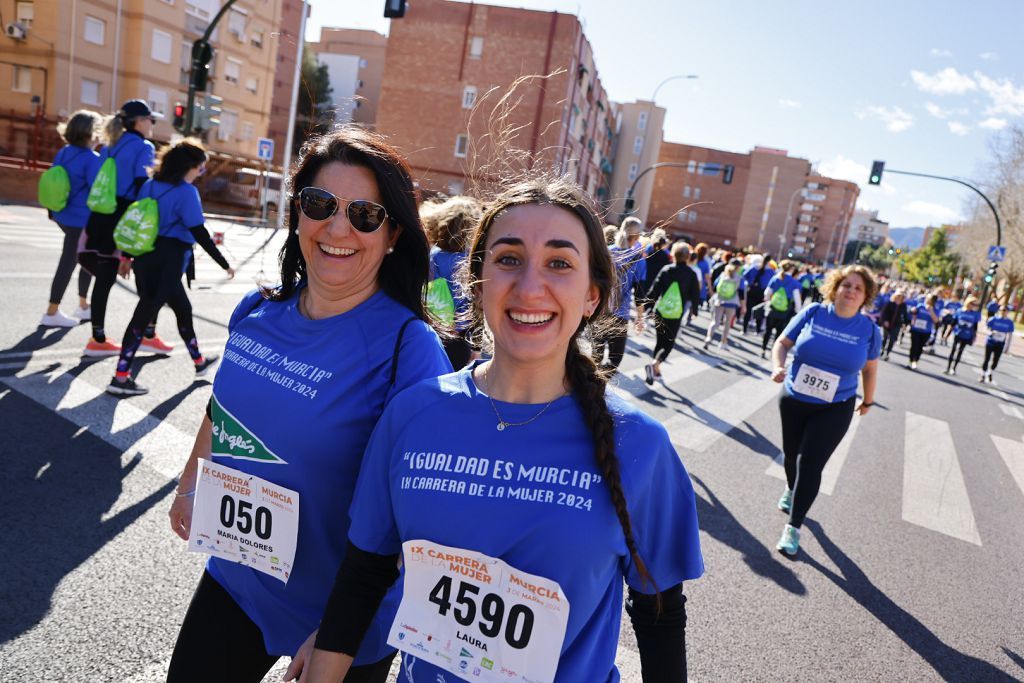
pixel 186 494
pixel 866 404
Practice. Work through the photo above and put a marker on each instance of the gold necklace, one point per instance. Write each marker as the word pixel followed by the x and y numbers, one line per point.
pixel 501 422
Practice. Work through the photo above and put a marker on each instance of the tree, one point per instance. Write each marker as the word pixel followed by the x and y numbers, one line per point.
pixel 934 263
pixel 314 114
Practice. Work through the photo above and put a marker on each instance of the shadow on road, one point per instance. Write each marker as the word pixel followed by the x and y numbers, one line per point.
pixel 40 338
pixel 948 663
pixel 722 525
pixel 1017 659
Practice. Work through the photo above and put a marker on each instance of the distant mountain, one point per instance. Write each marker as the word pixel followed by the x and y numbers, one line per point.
pixel 907 238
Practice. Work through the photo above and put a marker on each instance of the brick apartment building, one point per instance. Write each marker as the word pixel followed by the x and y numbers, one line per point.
pixel 447 67
pixel 355 62
pixel 822 224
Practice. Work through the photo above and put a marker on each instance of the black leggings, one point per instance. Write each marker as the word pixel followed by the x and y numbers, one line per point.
pixel 917 341
pixel 993 352
pixel 615 340
pixel 666 329
pixel 891 334
pixel 775 322
pixel 956 350
pixel 66 266
pixel 219 642
pixel 754 297
pixel 810 434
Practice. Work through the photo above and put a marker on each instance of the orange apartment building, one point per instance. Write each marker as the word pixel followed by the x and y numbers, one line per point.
pixel 355 62
pixel 447 67
pixel 638 133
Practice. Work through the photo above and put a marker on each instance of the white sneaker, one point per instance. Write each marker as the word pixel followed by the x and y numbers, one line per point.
pixel 59 319
pixel 84 314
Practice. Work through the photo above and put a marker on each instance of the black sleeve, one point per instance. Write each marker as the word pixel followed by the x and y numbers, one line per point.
pixel 202 236
pixel 659 285
pixel 660 634
pixel 362 581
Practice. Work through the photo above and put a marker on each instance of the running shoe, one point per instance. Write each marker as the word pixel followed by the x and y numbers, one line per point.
pixel 763 354
pixel 203 366
pixel 706 345
pixel 649 371
pixel 126 388
pixel 951 372
pixel 84 314
pixel 789 544
pixel 95 349
pixel 59 319
pixel 982 378
pixel 156 344
pixel 988 378
pixel 786 501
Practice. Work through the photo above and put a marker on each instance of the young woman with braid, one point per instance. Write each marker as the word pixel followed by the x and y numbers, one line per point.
pixel 518 526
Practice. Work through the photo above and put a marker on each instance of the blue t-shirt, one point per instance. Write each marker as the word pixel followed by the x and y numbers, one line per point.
pixel 535 499
pixel 179 205
pixel 134 156
pixel 705 272
pixel 825 341
pixel 752 280
pixel 950 309
pixel 446 264
pixel 631 268
pixel 922 321
pixel 79 163
pixel 311 391
pixel 880 301
pixel 1000 329
pixel 967 325
pixel 786 282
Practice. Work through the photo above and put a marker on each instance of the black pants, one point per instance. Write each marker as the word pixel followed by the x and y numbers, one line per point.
pixel 810 434
pixel 956 352
pixel 219 642
pixel 917 342
pixel 615 341
pixel 993 352
pixel 891 334
pixel 666 329
pixel 754 297
pixel 459 350
pixel 101 259
pixel 66 266
pixel 776 322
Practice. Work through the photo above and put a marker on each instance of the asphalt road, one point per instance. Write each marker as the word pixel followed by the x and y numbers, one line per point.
pixel 909 567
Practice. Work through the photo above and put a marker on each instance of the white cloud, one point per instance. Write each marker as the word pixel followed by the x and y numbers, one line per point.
pixel 789 104
pixel 936 52
pixel 1006 97
pixel 948 81
pixel 932 212
pixel 957 128
pixel 842 168
pixel 936 111
pixel 992 123
pixel 895 119
pixel 989 56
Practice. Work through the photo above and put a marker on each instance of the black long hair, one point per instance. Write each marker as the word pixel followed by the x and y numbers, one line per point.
pixel 175 161
pixel 404 272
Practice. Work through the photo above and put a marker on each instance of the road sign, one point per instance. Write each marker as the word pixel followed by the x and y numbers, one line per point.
pixel 996 253
pixel 265 149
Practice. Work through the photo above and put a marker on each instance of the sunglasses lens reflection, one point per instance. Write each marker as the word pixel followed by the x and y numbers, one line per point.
pixel 317 204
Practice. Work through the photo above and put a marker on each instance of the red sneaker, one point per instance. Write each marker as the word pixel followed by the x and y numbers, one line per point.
pixel 95 349
pixel 156 344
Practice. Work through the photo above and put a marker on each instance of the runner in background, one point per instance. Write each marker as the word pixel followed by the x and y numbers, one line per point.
pixel 892 319
pixel 344 333
pixel 1000 336
pixel 631 273
pixel 832 343
pixel 728 300
pixel 922 324
pixel 77 158
pixel 704 265
pixel 453 221
pixel 756 277
pixel 966 330
pixel 674 290
pixel 656 257
pixel 623 510
pixel 949 311
pixel 992 308
pixel 819 282
pixel 782 299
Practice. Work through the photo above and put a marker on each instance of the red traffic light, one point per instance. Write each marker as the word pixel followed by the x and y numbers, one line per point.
pixel 179 110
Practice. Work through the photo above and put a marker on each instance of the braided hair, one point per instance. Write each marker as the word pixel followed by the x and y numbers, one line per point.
pixel 585 380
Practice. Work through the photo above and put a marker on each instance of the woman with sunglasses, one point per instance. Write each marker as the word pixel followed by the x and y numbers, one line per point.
pixel 308 368
pixel 518 528
pixel 158 273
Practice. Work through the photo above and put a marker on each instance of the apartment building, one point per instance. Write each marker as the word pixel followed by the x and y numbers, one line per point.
pixel 288 28
pixel 355 62
pixel 468 88
pixel 866 227
pixel 64 55
pixel 638 139
pixel 823 221
pixel 954 233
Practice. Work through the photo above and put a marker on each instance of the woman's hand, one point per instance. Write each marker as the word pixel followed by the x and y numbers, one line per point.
pixel 863 408
pixel 230 272
pixel 779 374
pixel 124 268
pixel 297 668
pixel 181 515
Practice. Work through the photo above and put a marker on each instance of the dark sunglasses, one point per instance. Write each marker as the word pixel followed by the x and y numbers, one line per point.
pixel 318 205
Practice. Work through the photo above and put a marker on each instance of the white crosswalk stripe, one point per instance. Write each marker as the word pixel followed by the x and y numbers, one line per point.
pixel 1012 453
pixel 697 427
pixel 1011 411
pixel 830 475
pixel 679 367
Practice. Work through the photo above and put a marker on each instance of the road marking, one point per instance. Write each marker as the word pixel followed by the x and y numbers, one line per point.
pixel 934 493
pixel 679 368
pixel 830 475
pixel 1012 453
pixel 1012 411
pixel 26 276
pixel 696 427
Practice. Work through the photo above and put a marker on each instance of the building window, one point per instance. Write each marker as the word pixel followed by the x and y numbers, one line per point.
pixel 158 100
pixel 461 146
pixel 161 50
pixel 24 12
pixel 252 84
pixel 700 168
pixel 248 131
pixel 236 24
pixel 94 30
pixel 199 8
pixel 632 171
pixel 232 70
pixel 257 38
pixel 90 91
pixel 686 191
pixel 696 193
pixel 455 187
pixel 691 166
pixel 641 121
pixel 476 47
pixel 363 63
pixel 681 216
pixel 692 216
pixel 638 144
pixel 22 79
pixel 468 97
pixel 228 124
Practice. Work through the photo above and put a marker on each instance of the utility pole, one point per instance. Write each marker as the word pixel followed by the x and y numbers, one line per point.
pixel 202 53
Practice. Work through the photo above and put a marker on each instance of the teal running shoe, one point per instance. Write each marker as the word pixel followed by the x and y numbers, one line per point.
pixel 786 501
pixel 789 544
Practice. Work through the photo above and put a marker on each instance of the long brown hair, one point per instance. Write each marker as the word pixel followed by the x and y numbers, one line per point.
pixel 585 380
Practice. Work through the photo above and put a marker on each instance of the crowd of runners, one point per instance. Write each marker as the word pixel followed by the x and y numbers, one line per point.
pixel 424 364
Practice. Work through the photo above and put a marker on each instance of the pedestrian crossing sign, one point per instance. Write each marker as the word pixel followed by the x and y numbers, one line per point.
pixel 996 253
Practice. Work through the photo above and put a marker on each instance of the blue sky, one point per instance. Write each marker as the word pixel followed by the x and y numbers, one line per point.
pixel 923 85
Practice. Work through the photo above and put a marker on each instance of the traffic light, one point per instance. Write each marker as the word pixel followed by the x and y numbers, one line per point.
pixel 394 9
pixel 207 114
pixel 990 274
pixel 202 54
pixel 179 117
pixel 727 172
pixel 629 204
pixel 876 173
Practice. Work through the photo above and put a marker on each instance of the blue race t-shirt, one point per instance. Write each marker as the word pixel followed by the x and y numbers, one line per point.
pixel 1000 330
pixel 786 282
pixel 446 264
pixel 79 163
pixel 180 208
pixel 134 156
pixel 825 341
pixel 534 497
pixel 950 309
pixel 705 272
pixel 631 268
pixel 967 325
pixel 923 320
pixel 751 279
pixel 311 392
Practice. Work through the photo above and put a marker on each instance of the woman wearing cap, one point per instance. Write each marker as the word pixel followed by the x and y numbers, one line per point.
pixel 126 132
pixel 631 267
pixel 965 330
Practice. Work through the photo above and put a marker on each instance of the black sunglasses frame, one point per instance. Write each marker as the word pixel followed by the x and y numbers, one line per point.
pixel 355 220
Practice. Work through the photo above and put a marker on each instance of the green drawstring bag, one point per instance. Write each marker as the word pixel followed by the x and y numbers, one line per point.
pixel 440 301
pixel 136 232
pixel 726 289
pixel 780 300
pixel 103 193
pixel 670 305
pixel 54 188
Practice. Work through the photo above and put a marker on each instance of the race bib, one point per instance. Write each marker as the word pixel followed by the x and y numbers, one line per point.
pixel 245 519
pixel 997 336
pixel 811 381
pixel 920 324
pixel 478 617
